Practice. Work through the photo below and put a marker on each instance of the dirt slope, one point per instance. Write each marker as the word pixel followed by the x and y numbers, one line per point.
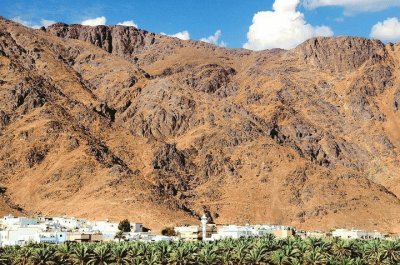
pixel 113 122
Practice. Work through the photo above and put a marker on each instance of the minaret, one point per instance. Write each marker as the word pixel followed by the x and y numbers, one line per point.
pixel 204 221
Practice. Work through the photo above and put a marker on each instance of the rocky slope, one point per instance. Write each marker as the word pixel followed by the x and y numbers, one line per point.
pixel 114 122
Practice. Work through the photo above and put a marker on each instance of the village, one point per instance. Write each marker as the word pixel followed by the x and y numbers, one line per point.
pixel 57 230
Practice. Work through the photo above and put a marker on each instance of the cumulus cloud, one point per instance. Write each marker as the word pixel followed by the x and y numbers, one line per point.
pixel 128 23
pixel 183 35
pixel 94 21
pixel 214 39
pixel 353 6
pixel 26 23
pixel 284 27
pixel 388 30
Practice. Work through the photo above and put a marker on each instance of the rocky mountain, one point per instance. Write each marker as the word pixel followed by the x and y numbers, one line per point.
pixel 114 122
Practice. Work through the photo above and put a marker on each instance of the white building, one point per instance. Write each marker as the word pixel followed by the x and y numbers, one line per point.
pixel 46 237
pixel 315 234
pixel 56 230
pixel 356 234
pixel 148 237
pixel 108 229
pixel 19 235
pixel 69 223
pixel 190 232
pixel 233 231
pixel 9 221
pixel 137 227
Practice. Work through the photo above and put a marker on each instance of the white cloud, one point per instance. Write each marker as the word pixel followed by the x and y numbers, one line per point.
pixel 43 23
pixel 94 21
pixel 183 35
pixel 21 21
pixel 353 6
pixel 284 27
pixel 46 22
pixel 388 30
pixel 214 39
pixel 128 23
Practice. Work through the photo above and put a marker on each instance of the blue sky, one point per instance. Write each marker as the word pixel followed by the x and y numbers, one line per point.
pixel 202 18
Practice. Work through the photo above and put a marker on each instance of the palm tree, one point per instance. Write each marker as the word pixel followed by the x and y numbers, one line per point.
pixel 372 248
pixel 227 258
pixel 132 250
pixel 152 258
pixel 313 243
pixel 43 256
pixel 226 245
pixel 8 255
pixel 164 249
pixel 5 259
pixel 255 251
pixel 374 253
pixel 268 243
pixel 101 256
pixel 359 261
pixel 345 261
pixel 181 255
pixel 119 255
pixel 142 250
pixel 240 252
pixel 208 255
pixel 315 257
pixel 378 259
pixel 80 255
pixel 63 253
pixel 23 256
pixel 291 252
pixel 391 251
pixel 257 255
pixel 296 262
pixel 278 257
pixel 342 249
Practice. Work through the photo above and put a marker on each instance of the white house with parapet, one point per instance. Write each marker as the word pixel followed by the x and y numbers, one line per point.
pixel 107 228
pixel 47 237
pixel 190 232
pixel 69 223
pixel 19 235
pixel 137 227
pixel 233 231
pixel 9 220
pixel 356 234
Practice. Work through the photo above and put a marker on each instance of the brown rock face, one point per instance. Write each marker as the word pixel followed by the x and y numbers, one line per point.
pixel 341 54
pixel 119 40
pixel 116 122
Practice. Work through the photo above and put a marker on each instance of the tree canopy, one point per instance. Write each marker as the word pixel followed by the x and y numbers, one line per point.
pixel 124 226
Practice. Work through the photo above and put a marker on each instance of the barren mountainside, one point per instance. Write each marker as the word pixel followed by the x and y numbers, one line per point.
pixel 116 122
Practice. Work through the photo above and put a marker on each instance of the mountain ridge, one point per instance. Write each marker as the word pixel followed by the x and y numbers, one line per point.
pixel 112 122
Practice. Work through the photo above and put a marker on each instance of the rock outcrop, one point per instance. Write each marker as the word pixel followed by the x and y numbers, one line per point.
pixel 119 40
pixel 341 54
